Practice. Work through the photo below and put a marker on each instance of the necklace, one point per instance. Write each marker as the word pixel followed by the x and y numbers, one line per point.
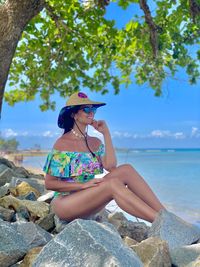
pixel 81 136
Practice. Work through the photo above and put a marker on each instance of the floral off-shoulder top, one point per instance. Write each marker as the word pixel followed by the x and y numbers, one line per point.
pixel 74 166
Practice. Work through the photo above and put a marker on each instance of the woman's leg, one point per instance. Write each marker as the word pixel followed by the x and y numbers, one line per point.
pixel 88 201
pixel 128 175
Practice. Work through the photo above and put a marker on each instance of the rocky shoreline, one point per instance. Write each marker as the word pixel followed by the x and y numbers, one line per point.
pixel 32 235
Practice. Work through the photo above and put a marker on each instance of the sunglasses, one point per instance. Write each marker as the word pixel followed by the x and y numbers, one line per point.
pixel 87 110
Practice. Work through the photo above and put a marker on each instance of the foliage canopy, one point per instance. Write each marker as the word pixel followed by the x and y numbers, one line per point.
pixel 70 45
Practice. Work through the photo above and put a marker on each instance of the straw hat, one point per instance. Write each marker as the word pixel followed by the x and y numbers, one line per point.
pixel 76 99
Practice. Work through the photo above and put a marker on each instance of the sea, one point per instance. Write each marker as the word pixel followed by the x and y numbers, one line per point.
pixel 173 175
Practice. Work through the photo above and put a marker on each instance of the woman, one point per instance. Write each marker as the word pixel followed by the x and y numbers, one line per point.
pixel 75 159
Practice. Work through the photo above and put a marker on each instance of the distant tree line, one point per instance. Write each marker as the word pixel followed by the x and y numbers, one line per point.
pixel 9 145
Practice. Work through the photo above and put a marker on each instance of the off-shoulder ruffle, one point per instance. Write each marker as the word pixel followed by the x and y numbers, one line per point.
pixel 67 163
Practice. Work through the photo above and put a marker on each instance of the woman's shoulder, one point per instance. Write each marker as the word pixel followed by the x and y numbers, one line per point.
pixel 95 140
pixel 61 142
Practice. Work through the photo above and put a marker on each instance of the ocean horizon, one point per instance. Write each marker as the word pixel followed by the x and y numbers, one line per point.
pixel 172 173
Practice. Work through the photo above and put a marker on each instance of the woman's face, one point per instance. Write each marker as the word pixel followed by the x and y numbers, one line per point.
pixel 85 114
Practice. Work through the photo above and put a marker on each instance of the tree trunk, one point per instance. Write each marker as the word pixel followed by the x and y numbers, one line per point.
pixel 14 16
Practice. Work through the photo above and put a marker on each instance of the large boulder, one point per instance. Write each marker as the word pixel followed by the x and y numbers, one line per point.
pixel 87 243
pixel 13 246
pixel 174 230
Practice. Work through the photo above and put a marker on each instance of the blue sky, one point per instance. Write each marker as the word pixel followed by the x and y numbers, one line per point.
pixel 136 118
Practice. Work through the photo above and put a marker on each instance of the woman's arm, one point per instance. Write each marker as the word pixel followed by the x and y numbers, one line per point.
pixel 55 184
pixel 109 159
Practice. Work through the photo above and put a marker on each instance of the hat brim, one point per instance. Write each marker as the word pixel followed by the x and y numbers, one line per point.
pixel 65 113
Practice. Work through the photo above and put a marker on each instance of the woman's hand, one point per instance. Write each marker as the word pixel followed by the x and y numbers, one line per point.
pixel 92 183
pixel 100 126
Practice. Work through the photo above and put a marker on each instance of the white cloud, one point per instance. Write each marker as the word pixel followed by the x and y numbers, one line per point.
pixel 48 134
pixel 124 135
pixel 9 133
pixel 167 133
pixel 159 133
pixel 195 132
pixel 24 134
pixel 179 135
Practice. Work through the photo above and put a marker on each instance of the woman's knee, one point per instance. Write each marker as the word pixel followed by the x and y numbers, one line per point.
pixel 125 169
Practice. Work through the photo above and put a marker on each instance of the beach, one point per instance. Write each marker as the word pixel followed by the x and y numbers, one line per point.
pixel 173 174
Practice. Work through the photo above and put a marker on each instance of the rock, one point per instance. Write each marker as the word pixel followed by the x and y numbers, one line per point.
pixel 6 174
pixel 21 172
pixel 13 247
pixel 23 189
pixel 101 216
pixel 30 196
pixel 30 257
pixel 186 256
pixel 36 209
pixel 196 263
pixel 7 215
pixel 153 252
pixel 7 162
pixel 135 230
pixel 174 230
pixel 47 223
pixel 37 184
pixel 129 241
pixel 87 243
pixel 46 197
pixel 59 224
pixel 23 214
pixel 4 190
pixel 33 234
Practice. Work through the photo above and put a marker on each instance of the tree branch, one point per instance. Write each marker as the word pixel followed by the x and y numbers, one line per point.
pixel 58 21
pixel 152 27
pixel 194 9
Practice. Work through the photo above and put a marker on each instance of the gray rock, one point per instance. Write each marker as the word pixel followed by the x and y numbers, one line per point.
pixel 87 243
pixel 12 246
pixel 30 196
pixel 34 235
pixel 186 255
pixel 47 223
pixel 101 216
pixel 23 215
pixel 6 174
pixel 7 214
pixel 21 172
pixel 135 230
pixel 4 190
pixel 7 162
pixel 174 230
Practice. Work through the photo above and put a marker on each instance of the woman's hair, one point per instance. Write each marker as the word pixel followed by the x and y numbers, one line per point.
pixel 69 119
